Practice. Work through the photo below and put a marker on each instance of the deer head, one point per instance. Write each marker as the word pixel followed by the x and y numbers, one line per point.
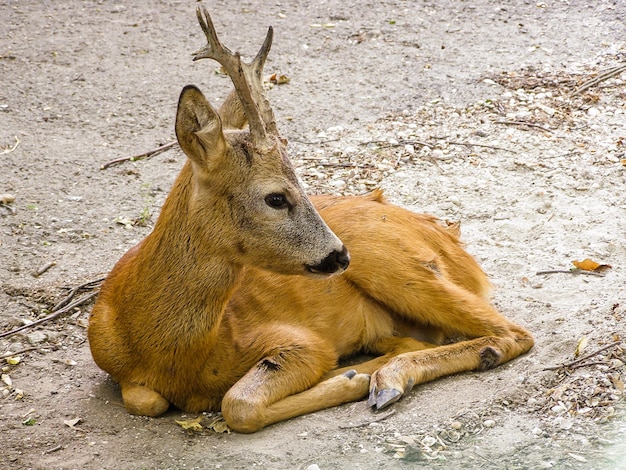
pixel 245 191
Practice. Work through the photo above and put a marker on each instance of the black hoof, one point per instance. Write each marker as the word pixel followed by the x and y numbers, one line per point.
pixel 489 358
pixel 387 397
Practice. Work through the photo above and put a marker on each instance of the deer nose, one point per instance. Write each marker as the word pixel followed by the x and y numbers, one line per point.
pixel 337 261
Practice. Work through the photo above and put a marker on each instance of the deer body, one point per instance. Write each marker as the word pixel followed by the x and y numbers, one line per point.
pixel 237 301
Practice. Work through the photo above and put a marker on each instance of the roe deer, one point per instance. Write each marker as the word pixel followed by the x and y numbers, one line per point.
pixel 237 301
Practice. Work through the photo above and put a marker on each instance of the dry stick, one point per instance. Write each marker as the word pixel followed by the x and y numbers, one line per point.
pixel 471 144
pixel 56 314
pixel 401 142
pixel 147 154
pixel 569 271
pixel 54 449
pixel 584 358
pixel 17 353
pixel 524 123
pixel 367 423
pixel 9 148
pixel 44 268
pixel 62 307
pixel 605 76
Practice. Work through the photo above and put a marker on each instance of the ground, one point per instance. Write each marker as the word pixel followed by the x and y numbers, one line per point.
pixel 481 112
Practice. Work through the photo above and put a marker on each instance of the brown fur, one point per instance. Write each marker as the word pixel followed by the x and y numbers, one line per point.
pixel 216 309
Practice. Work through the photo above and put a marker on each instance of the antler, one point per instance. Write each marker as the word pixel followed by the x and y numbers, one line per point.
pixel 247 78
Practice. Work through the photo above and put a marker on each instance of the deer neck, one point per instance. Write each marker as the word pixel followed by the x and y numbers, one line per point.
pixel 194 275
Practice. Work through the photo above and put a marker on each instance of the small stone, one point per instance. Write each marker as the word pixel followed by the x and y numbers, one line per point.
pixel 489 423
pixel 437 153
pixel 313 466
pixel 456 425
pixel 36 337
pixel 537 431
pixel 563 423
pixel 593 112
pixel 558 409
pixel 7 198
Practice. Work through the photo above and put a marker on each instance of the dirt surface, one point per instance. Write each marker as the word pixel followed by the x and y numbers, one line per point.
pixel 465 110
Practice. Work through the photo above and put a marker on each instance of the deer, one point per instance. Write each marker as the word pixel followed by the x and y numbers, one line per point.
pixel 247 294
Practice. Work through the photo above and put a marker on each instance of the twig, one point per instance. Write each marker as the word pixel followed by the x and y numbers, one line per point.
pixel 147 154
pixel 54 449
pixel 401 142
pixel 569 271
pixel 11 209
pixel 584 358
pixel 44 268
pixel 602 77
pixel 74 290
pixel 61 308
pixel 472 144
pixel 523 123
pixel 319 142
pixel 367 423
pixel 56 314
pixel 9 148
pixel 17 353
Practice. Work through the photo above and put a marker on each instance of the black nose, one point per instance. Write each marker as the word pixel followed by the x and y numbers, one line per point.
pixel 336 261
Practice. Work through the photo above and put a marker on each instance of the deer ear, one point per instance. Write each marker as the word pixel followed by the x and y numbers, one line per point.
pixel 198 127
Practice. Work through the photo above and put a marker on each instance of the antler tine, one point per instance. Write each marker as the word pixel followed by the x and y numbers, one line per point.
pixel 257 65
pixel 241 74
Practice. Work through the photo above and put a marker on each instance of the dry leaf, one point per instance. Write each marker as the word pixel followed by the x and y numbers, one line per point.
pixel 279 79
pixel 192 424
pixel 13 360
pixel 582 344
pixel 589 265
pixel 219 425
pixel 7 379
pixel 72 422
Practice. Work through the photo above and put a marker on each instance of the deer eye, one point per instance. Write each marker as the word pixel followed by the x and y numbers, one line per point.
pixel 276 201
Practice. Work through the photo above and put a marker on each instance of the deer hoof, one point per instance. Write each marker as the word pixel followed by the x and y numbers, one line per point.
pixel 489 358
pixel 383 398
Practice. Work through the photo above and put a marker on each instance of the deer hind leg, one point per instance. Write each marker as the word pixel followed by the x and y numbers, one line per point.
pixel 387 348
pixel 424 296
pixel 140 400
pixel 284 383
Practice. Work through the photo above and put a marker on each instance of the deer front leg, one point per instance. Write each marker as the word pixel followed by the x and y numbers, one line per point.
pixel 142 401
pixel 284 384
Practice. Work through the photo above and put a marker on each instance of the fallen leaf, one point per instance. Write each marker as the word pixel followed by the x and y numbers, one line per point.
pixel 192 424
pixel 279 79
pixel 7 379
pixel 72 422
pixel 125 221
pixel 13 360
pixel 589 265
pixel 580 347
pixel 219 425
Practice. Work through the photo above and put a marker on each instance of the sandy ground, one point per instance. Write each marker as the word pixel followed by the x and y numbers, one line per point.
pixel 468 111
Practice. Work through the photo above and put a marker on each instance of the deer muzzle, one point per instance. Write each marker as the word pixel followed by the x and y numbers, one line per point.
pixel 335 263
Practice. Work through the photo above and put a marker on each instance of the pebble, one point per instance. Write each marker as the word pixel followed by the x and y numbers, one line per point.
pixel 437 153
pixel 563 423
pixel 558 409
pixel 456 425
pixel 313 466
pixel 593 112
pixel 36 337
pixel 489 423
